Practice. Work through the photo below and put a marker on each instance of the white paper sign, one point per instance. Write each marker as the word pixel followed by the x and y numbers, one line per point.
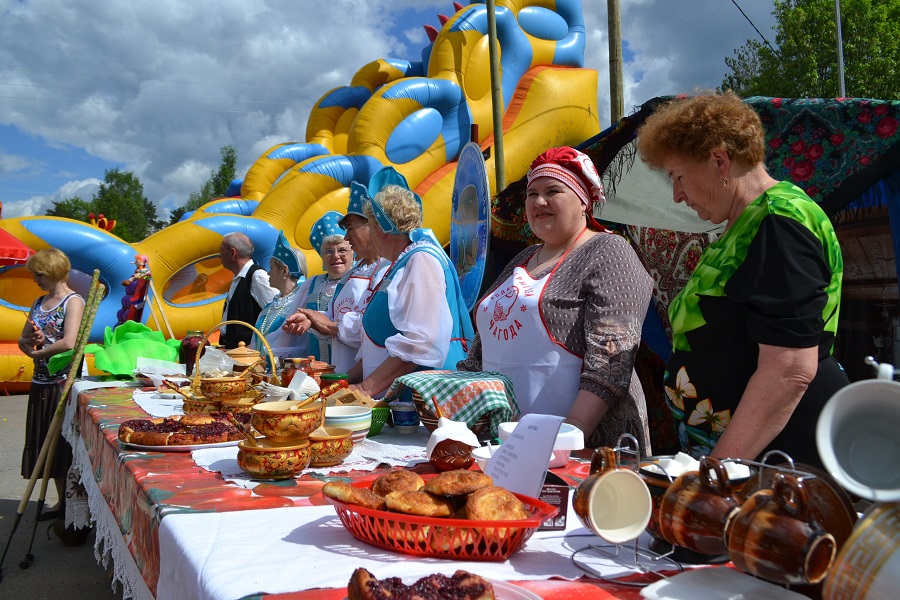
pixel 520 463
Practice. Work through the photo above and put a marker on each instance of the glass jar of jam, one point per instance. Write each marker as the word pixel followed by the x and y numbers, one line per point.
pixel 190 344
pixel 290 368
pixel 330 378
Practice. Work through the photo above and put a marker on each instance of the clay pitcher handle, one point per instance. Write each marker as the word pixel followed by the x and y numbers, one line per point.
pixel 604 460
pixel 721 484
pixel 791 496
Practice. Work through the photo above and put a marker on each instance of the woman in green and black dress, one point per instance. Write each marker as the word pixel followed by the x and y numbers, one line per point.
pixel 754 327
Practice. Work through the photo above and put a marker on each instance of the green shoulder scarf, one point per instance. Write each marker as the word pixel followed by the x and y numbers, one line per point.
pixel 723 257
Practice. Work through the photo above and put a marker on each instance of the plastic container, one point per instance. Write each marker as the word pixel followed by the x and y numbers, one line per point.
pixel 568 439
pixel 380 416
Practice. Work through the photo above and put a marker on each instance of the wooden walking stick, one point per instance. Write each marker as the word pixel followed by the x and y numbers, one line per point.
pixel 94 297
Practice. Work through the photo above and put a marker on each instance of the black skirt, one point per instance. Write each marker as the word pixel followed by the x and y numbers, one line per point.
pixel 42 401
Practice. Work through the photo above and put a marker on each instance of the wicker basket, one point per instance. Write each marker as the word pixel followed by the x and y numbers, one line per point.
pixel 380 416
pixel 459 539
pixel 196 383
pixel 430 420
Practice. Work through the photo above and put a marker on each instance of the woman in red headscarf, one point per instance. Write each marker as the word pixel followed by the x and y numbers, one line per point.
pixel 563 320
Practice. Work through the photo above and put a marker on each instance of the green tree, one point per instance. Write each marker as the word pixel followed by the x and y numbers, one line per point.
pixel 71 208
pixel 214 187
pixel 121 197
pixel 804 62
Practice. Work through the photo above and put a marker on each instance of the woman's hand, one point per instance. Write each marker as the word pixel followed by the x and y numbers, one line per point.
pixel 296 324
pixel 381 378
pixel 32 335
pixel 320 322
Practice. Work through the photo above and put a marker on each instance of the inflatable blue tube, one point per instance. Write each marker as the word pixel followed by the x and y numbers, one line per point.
pixel 262 234
pixel 90 248
pixel 232 207
pixel 298 152
pixel 345 97
pixel 234 188
pixel 445 112
pixel 343 168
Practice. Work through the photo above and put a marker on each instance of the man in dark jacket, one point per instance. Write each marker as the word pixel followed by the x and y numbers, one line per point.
pixel 249 291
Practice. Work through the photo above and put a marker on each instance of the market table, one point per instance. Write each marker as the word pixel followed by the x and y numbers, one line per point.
pixel 132 493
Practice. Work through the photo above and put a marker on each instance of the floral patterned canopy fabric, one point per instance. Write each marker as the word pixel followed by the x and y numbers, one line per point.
pixel 836 150
pixel 840 152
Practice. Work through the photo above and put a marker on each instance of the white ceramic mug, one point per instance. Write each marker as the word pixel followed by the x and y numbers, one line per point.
pixel 858 437
pixel 612 502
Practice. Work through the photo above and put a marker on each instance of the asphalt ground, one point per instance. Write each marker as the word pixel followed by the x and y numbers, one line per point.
pixel 57 572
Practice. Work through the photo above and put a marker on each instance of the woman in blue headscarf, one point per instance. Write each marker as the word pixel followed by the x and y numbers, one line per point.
pixel 416 317
pixel 327 237
pixel 287 270
pixel 342 320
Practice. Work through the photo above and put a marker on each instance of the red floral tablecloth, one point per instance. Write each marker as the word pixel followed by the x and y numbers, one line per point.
pixel 141 488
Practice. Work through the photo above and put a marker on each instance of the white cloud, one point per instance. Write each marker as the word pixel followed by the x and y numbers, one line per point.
pixel 678 46
pixel 13 163
pixel 38 205
pixel 159 87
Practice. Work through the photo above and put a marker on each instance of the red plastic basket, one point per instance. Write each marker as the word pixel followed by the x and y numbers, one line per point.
pixel 460 539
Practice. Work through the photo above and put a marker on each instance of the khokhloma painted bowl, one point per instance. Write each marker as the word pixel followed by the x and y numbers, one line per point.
pixel 329 446
pixel 281 422
pixel 219 388
pixel 273 462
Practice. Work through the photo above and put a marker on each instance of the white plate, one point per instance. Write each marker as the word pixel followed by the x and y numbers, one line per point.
pixel 179 448
pixel 510 591
pixel 503 590
pixel 166 396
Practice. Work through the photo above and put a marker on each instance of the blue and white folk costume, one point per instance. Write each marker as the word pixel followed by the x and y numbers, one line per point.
pixel 318 291
pixel 272 316
pixel 349 303
pixel 417 312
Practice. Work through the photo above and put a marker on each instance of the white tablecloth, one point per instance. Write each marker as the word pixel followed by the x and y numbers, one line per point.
pixel 109 547
pixel 230 555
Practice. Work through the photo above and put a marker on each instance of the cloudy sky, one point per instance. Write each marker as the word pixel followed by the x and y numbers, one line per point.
pixel 157 88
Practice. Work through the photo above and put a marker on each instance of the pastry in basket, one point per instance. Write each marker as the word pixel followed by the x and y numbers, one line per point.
pixel 179 430
pixel 349 397
pixel 462 585
pixel 345 492
pixel 420 503
pixel 400 480
pixel 495 504
pixel 457 483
